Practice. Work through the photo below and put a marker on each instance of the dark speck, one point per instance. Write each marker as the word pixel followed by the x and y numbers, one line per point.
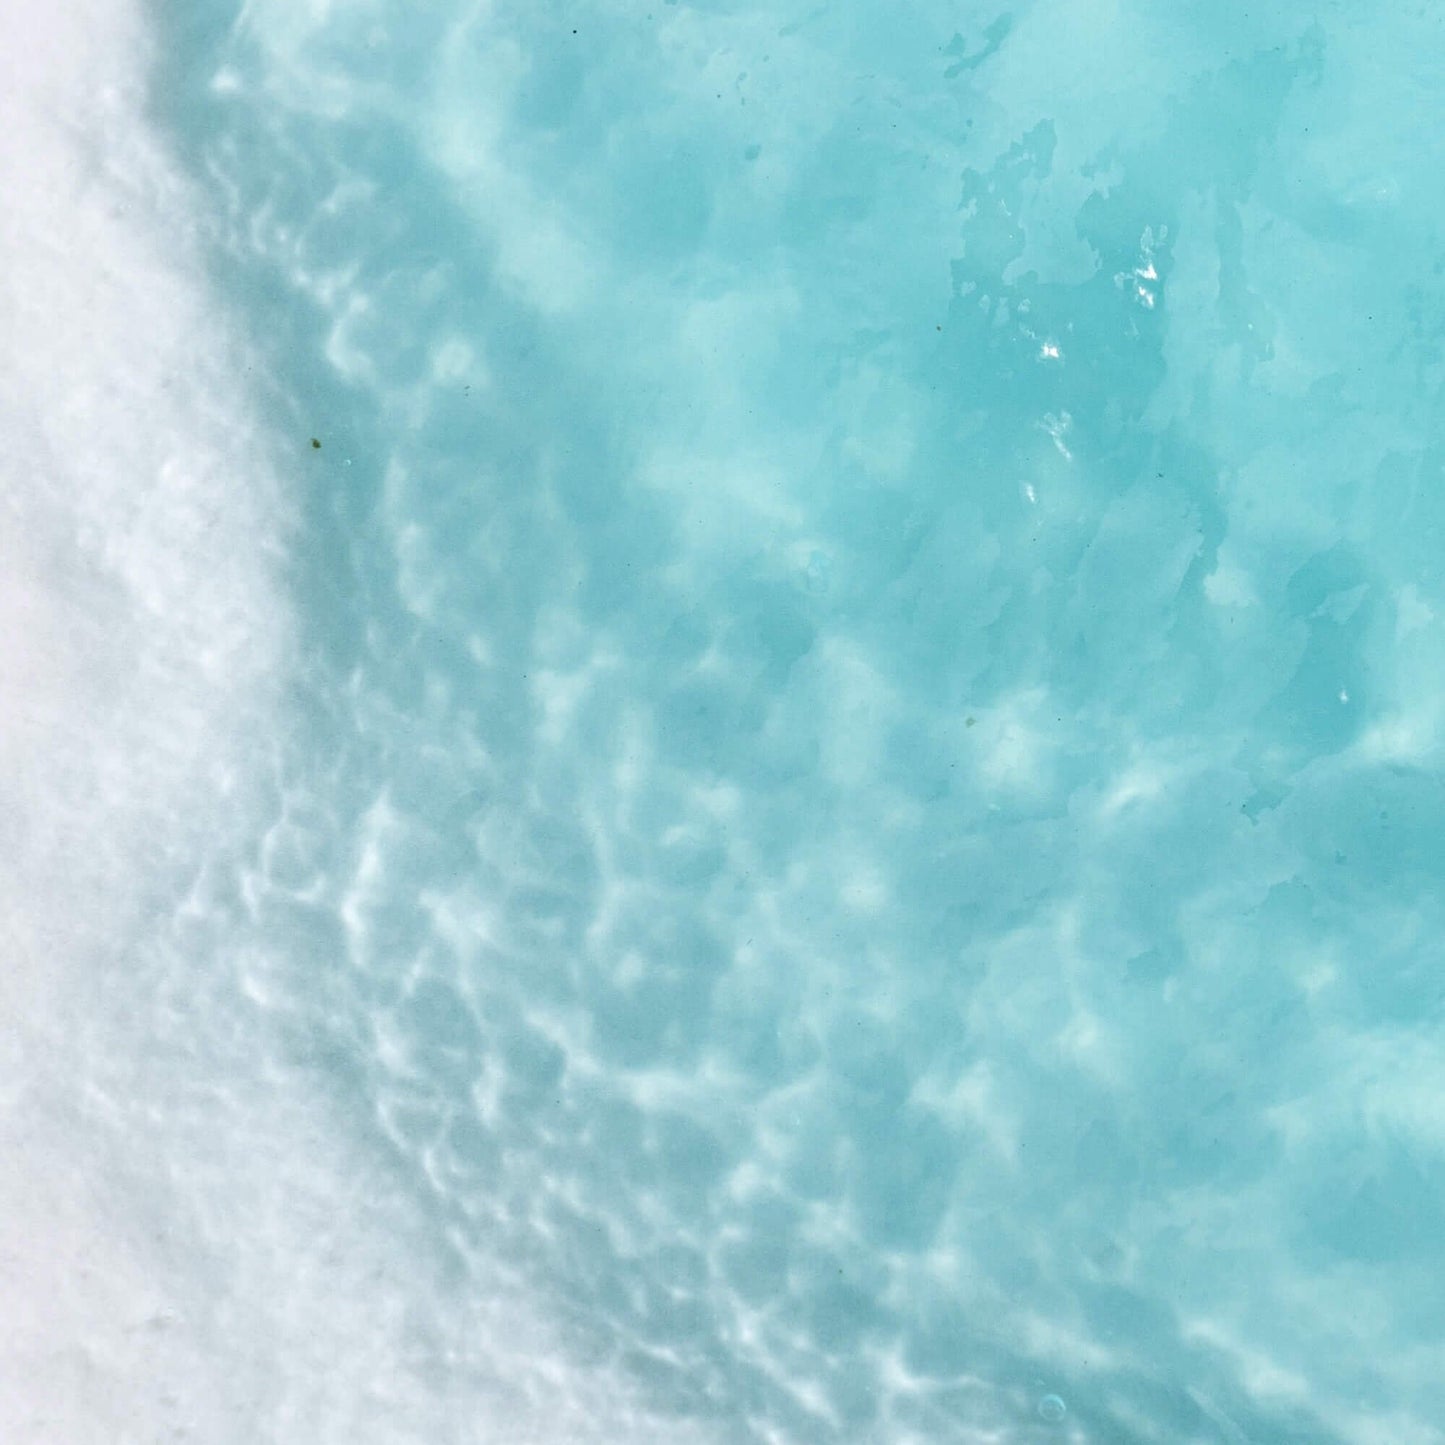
pixel 316 443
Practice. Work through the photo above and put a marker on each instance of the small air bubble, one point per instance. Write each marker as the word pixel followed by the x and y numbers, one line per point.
pixel 1052 1409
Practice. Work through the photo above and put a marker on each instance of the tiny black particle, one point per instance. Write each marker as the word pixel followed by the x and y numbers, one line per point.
pixel 316 443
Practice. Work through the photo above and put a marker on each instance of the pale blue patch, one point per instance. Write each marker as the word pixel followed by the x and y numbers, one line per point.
pixel 871 758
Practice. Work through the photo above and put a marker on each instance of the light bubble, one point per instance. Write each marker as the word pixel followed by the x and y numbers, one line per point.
pixel 1052 1409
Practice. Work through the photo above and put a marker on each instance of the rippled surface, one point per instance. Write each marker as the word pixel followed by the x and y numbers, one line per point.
pixel 852 823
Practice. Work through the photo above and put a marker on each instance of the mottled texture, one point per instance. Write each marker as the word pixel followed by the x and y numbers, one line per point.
pixel 859 804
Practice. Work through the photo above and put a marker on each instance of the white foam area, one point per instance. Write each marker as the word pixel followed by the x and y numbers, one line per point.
pixel 186 1251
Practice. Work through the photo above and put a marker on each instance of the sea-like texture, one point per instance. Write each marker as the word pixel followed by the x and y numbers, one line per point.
pixel 834 833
